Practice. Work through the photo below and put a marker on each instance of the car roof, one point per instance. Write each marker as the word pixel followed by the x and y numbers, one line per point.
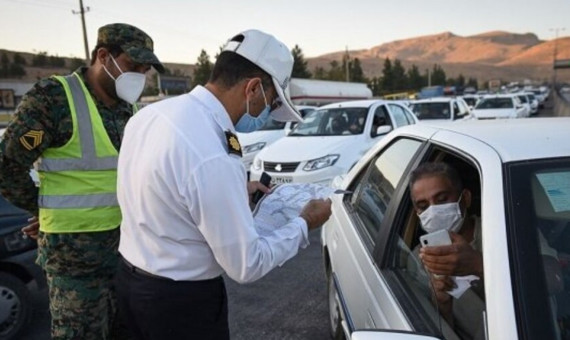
pixel 354 103
pixel 433 100
pixel 527 138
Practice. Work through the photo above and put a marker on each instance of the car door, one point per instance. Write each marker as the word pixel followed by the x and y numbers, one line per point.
pixel 352 233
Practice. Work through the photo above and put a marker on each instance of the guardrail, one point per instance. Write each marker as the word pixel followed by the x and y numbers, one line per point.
pixel 561 102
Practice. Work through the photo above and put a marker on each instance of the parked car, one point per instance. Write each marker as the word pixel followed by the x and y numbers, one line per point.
pixel 520 191
pixel 440 108
pixel 533 102
pixel 18 271
pixel 499 106
pixel 526 103
pixel 254 141
pixel 330 141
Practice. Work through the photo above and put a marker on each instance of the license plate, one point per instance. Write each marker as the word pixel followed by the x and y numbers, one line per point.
pixel 281 180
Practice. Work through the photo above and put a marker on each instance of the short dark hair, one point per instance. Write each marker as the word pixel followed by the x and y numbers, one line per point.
pixel 442 169
pixel 115 51
pixel 231 68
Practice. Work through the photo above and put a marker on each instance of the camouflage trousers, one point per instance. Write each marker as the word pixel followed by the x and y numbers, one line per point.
pixel 80 270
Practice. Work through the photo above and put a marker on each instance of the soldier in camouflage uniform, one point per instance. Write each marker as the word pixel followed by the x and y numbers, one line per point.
pixel 79 265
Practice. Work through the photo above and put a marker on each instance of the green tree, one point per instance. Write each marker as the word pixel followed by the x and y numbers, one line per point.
pixel 336 72
pixel 460 80
pixel 415 80
pixel 375 85
pixel 16 70
pixel 387 77
pixel 399 73
pixel 356 73
pixel 300 69
pixel 437 75
pixel 203 69
pixel 76 63
pixel 4 65
pixel 19 60
pixel 472 82
pixel 40 59
pixel 319 73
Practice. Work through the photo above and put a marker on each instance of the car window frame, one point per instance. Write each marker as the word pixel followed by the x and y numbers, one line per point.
pixel 395 218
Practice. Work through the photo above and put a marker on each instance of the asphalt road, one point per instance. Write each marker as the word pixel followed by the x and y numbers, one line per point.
pixel 288 303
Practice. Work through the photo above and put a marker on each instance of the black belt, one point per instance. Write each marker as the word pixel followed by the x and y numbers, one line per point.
pixel 134 269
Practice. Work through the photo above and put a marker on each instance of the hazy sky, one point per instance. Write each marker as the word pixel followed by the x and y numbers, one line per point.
pixel 182 28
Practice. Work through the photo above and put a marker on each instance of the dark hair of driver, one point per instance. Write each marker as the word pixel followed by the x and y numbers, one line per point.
pixel 442 169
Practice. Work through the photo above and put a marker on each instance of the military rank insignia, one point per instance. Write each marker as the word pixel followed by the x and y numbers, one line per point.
pixel 233 143
pixel 32 139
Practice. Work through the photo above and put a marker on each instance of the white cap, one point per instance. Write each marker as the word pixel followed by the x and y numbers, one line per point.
pixel 273 57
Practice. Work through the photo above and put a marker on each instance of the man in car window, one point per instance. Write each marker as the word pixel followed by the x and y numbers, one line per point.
pixel 441 202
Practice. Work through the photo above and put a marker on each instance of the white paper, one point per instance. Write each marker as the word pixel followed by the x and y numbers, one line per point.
pixel 557 187
pixel 285 203
pixel 462 283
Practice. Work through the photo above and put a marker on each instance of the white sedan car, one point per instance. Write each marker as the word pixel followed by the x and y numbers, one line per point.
pixel 329 141
pixel 499 106
pixel 521 195
pixel 440 108
pixel 254 141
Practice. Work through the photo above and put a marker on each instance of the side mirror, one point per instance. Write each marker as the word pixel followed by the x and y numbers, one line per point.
pixel 382 130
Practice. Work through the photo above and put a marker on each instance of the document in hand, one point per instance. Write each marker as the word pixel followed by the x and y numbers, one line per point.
pixel 284 203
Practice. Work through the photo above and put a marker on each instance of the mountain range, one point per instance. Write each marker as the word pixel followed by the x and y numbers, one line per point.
pixel 491 55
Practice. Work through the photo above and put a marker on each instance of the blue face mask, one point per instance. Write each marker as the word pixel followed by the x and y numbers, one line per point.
pixel 247 123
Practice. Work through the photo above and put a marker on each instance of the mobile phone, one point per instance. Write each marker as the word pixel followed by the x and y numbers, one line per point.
pixel 438 238
pixel 265 180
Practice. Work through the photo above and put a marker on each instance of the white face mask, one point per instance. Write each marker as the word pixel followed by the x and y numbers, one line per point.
pixel 129 85
pixel 442 216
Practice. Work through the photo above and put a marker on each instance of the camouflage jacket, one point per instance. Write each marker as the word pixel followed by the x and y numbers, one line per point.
pixel 43 120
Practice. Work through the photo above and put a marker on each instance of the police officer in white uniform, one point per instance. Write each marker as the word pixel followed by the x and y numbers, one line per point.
pixel 184 197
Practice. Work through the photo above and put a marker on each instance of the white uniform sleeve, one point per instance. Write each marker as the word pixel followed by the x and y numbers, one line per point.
pixel 218 201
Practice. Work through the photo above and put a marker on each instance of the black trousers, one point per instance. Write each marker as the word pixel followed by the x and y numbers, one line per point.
pixel 161 308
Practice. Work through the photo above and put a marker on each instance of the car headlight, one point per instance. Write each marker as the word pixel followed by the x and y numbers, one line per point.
pixel 16 241
pixel 319 163
pixel 253 147
pixel 257 164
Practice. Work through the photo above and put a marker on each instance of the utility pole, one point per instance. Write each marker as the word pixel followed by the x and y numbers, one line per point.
pixel 82 11
pixel 555 54
pixel 347 60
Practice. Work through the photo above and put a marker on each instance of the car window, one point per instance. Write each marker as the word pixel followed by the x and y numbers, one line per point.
pixel 539 226
pixel 381 118
pixel 432 110
pixel 495 103
pixel 399 115
pixel 413 281
pixel 375 188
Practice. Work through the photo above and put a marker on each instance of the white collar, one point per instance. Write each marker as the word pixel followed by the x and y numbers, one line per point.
pixel 214 107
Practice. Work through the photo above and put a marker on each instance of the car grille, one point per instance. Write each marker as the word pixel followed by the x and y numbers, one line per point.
pixel 285 167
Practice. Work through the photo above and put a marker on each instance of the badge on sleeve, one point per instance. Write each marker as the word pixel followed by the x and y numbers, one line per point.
pixel 32 139
pixel 233 143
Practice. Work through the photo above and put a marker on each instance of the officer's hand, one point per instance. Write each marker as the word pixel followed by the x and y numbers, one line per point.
pixel 457 259
pixel 316 212
pixel 32 229
pixel 253 186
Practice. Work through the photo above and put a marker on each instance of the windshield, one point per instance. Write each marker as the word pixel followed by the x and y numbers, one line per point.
pixel 431 110
pixel 495 103
pixel 471 101
pixel 539 233
pixel 332 122
pixel 272 124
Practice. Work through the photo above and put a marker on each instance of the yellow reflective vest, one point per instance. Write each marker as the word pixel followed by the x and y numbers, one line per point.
pixel 78 181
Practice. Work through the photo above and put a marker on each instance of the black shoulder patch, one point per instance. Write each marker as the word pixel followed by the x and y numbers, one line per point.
pixel 233 143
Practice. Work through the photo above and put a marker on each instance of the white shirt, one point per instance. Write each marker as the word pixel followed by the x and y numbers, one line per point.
pixel 184 198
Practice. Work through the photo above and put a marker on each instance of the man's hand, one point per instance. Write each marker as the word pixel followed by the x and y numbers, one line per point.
pixel 32 229
pixel 316 212
pixel 457 259
pixel 252 187
pixel 442 284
